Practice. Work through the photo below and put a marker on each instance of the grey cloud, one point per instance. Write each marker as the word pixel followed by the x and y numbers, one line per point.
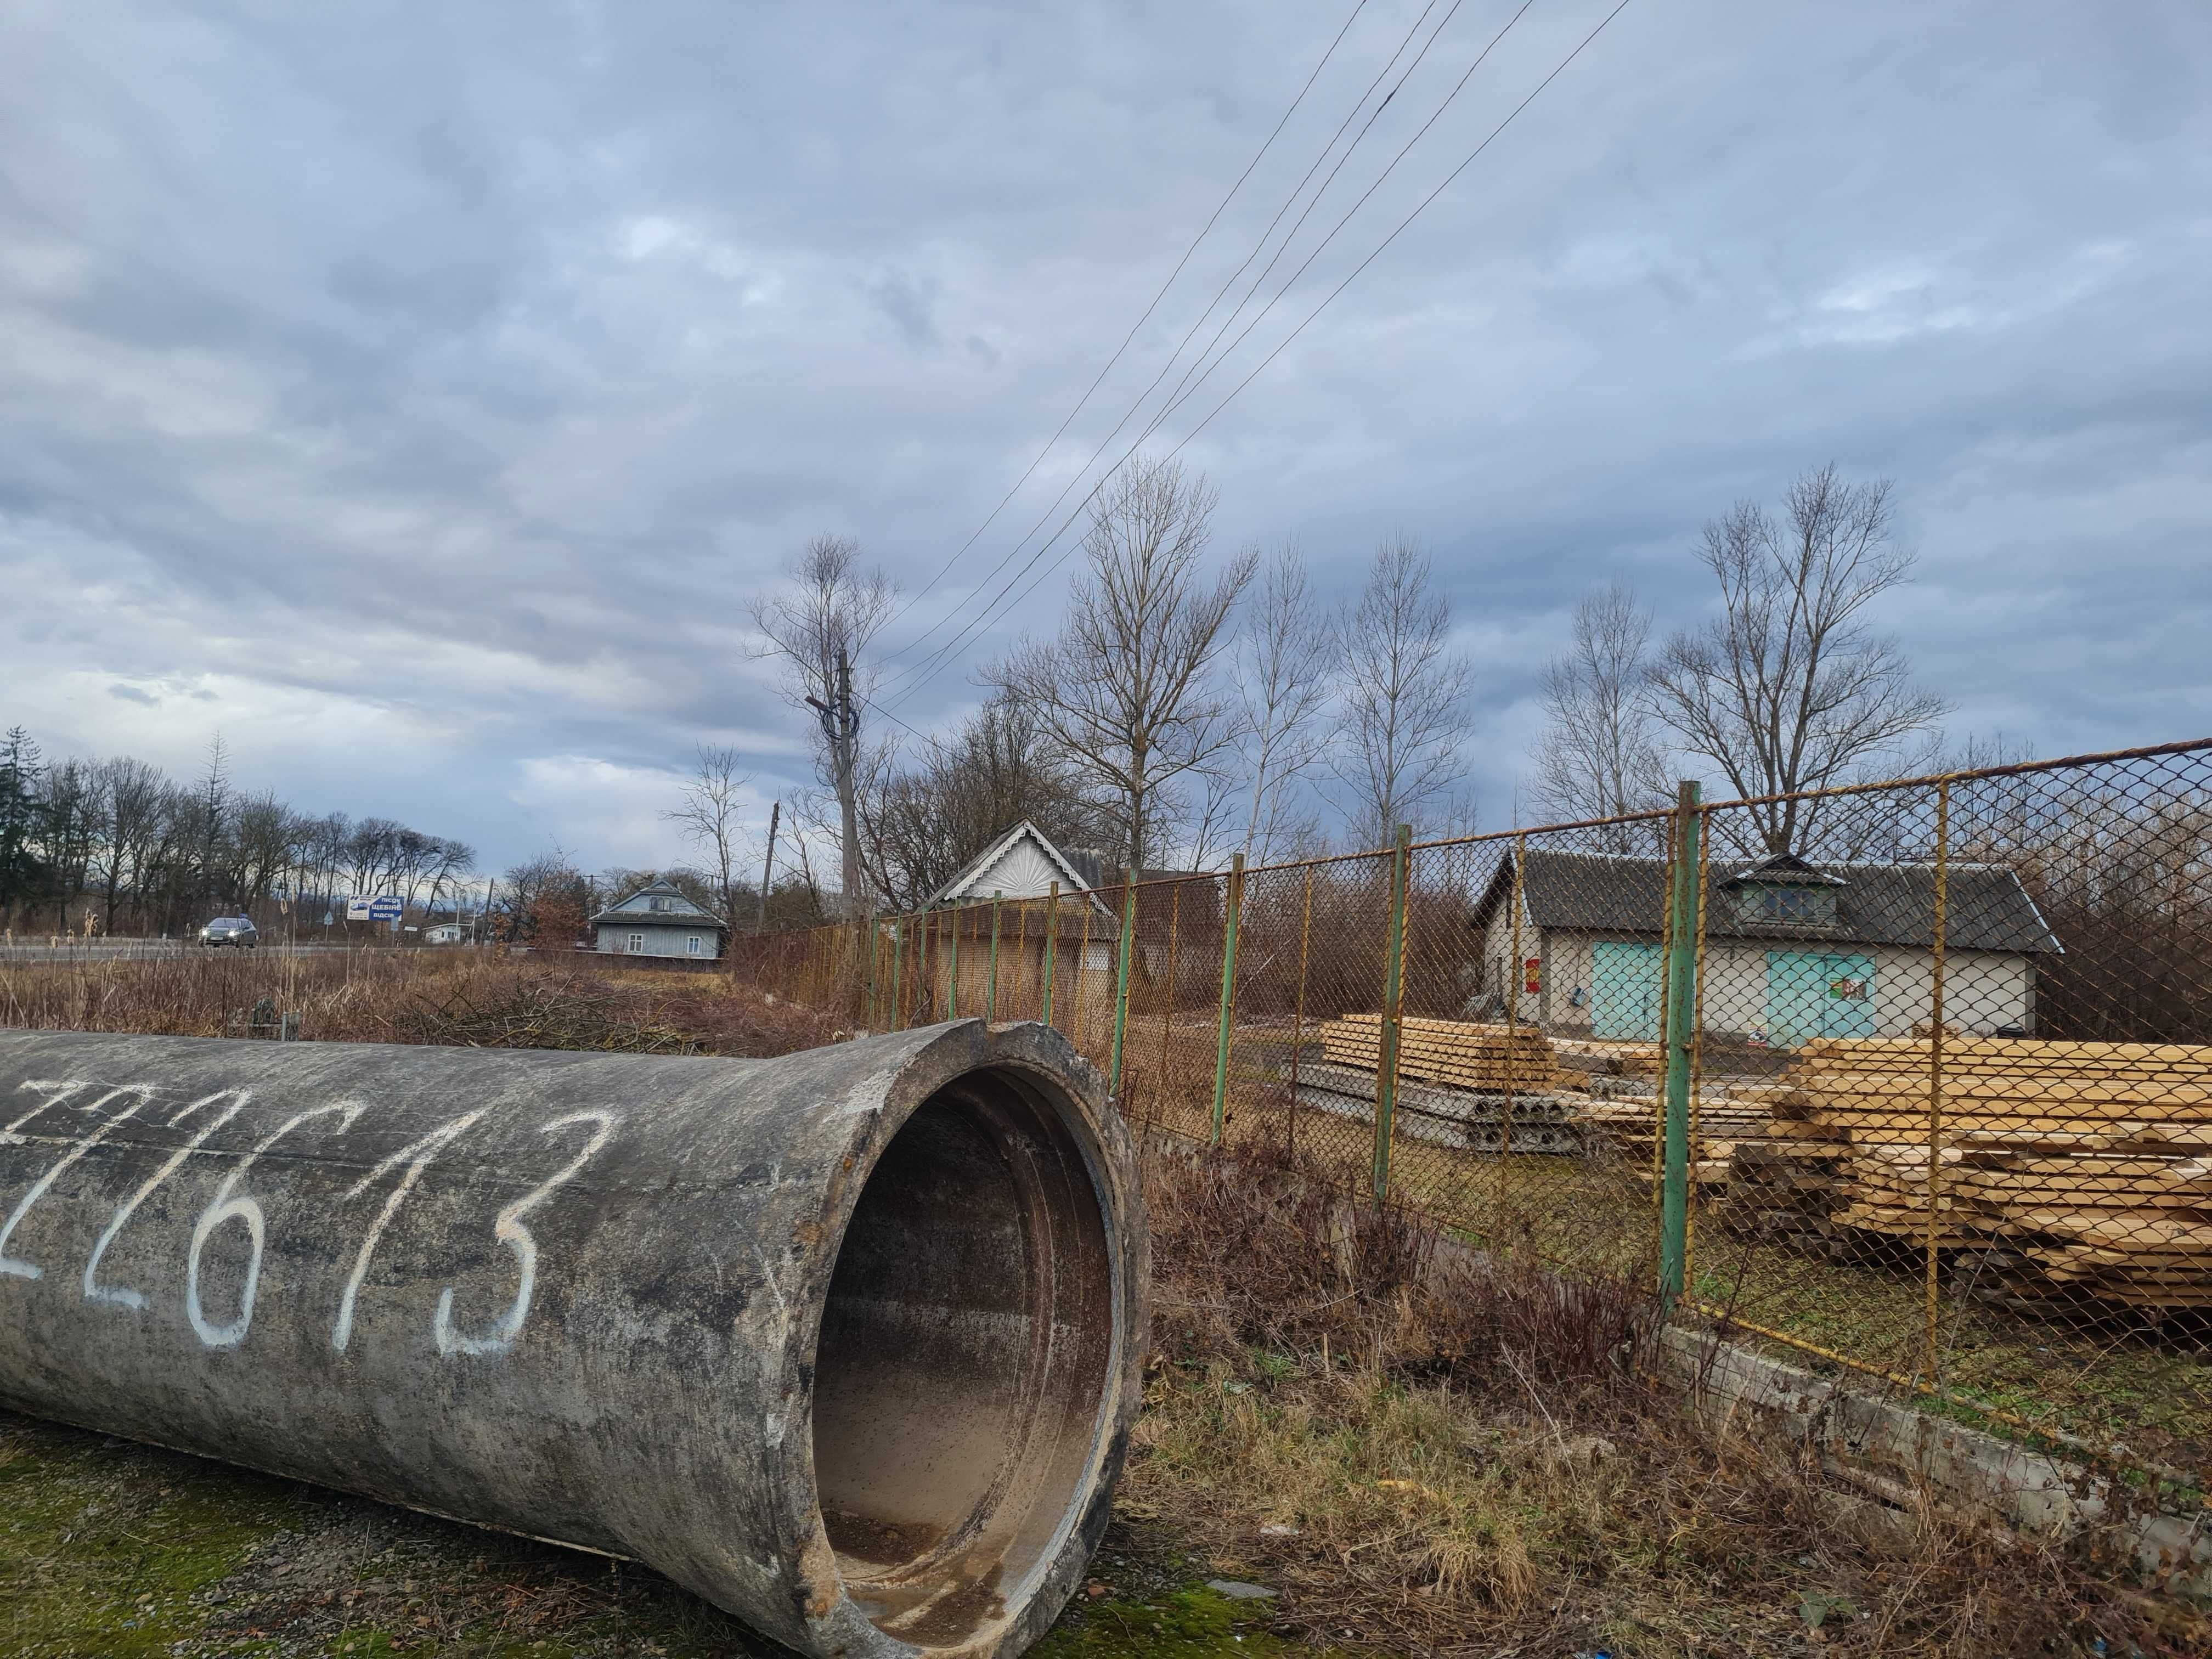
pixel 452 384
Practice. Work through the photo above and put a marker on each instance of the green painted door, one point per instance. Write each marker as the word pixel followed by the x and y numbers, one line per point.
pixel 1813 993
pixel 1625 991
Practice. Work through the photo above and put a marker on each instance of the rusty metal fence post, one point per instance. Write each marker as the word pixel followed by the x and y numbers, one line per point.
pixel 953 972
pixel 1167 998
pixel 1931 1264
pixel 1235 904
pixel 1680 983
pixel 991 992
pixel 1051 938
pixel 898 963
pixel 1394 966
pixel 1121 978
pixel 1299 1009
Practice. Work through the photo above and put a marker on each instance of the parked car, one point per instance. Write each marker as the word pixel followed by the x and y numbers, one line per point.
pixel 231 930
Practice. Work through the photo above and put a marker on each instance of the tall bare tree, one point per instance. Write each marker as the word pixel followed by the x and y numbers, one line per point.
pixel 710 818
pixel 1285 671
pixel 820 624
pixel 1400 751
pixel 1787 688
pixel 1127 692
pixel 1602 755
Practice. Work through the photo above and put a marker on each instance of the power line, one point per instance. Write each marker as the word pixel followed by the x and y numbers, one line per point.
pixel 1186 388
pixel 1199 322
pixel 1222 207
pixel 999 605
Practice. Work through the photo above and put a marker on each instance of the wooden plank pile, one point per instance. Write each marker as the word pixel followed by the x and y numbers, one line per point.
pixel 1489 1058
pixel 1611 1057
pixel 2068 1170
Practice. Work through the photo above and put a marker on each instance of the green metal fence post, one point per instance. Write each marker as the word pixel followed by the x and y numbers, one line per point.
pixel 1394 968
pixel 991 995
pixel 1121 978
pixel 1681 1004
pixel 898 966
pixel 1235 903
pixel 1051 938
pixel 868 994
pixel 952 974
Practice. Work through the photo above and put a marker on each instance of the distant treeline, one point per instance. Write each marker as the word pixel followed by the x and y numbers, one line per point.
pixel 119 844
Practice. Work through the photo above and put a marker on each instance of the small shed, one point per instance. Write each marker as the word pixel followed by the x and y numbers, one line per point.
pixel 1794 949
pixel 659 920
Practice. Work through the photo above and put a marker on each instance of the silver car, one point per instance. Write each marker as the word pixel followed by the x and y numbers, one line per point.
pixel 231 930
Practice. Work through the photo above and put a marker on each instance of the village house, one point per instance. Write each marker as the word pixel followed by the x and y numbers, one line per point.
pixel 1793 950
pixel 1018 873
pixel 657 921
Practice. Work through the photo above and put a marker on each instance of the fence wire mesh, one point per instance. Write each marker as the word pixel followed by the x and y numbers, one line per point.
pixel 1936 1055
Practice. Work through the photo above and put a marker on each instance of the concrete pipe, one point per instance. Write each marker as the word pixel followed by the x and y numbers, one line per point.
pixel 847 1342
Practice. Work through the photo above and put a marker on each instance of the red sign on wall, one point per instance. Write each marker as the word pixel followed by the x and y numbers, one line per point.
pixel 1534 974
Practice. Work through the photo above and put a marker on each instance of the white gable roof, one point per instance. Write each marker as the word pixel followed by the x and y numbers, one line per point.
pixel 1021 864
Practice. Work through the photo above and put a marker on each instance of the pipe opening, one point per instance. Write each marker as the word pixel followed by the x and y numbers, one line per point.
pixel 965 1352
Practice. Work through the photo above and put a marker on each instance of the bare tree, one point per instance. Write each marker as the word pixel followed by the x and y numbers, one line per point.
pixel 932 817
pixel 709 819
pixel 1787 688
pixel 1126 692
pixel 1402 742
pixel 820 626
pixel 1601 754
pixel 1284 672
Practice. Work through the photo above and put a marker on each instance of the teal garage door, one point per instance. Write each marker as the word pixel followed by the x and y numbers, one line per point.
pixel 1625 991
pixel 1812 994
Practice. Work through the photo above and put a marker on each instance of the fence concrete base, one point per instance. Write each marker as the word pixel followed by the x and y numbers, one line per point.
pixel 1905 1458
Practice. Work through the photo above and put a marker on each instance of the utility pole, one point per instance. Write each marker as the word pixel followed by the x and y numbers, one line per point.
pixel 841 725
pixel 767 869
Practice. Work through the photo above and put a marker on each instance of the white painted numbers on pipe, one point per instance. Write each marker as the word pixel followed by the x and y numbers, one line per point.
pixel 225 1207
pixel 509 1230
pixel 229 1204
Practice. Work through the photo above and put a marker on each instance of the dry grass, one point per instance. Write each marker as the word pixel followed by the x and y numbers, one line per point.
pixel 1435 1455
pixel 471 998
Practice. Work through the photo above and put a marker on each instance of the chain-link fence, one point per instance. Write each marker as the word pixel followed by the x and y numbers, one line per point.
pixel 1915 1078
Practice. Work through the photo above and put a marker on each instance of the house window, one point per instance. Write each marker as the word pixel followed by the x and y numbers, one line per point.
pixel 660 901
pixel 692 945
pixel 636 943
pixel 1799 907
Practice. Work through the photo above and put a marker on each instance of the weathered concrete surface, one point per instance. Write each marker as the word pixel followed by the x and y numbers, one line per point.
pixel 847 1342
pixel 1908 1458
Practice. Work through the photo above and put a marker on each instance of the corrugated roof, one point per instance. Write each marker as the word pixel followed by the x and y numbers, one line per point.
pixel 1986 907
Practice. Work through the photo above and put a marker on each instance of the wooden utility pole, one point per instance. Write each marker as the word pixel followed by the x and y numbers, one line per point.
pixel 768 869
pixel 841 726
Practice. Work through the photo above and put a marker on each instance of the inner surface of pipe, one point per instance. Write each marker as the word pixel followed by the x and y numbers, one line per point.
pixel 965 1357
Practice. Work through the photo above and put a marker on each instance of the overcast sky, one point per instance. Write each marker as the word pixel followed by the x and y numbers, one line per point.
pixel 416 393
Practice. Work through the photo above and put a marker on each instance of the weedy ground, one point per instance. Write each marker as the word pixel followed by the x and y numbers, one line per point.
pixel 1417 1451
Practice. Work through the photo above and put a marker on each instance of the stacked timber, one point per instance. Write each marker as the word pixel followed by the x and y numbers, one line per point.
pixel 1786 1188
pixel 1609 1057
pixel 1486 1058
pixel 2068 1170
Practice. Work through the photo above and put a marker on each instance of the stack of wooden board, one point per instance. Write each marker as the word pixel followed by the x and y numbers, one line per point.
pixel 1485 1058
pixel 1611 1056
pixel 2068 1169
pixel 1786 1188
